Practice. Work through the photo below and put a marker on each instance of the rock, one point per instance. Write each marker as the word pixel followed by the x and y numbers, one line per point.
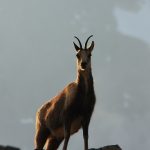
pixel 110 147
pixel 8 148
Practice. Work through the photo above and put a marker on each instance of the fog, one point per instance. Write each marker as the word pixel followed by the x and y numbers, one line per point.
pixel 37 59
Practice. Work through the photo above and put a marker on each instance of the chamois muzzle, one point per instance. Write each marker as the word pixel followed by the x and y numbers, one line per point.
pixel 84 65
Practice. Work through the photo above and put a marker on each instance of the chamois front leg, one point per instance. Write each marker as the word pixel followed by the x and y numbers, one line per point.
pixel 85 127
pixel 67 127
pixel 85 136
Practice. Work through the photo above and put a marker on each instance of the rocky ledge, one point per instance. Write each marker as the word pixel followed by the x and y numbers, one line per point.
pixel 110 147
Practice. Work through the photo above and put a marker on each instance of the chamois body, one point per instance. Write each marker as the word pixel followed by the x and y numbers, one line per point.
pixel 70 110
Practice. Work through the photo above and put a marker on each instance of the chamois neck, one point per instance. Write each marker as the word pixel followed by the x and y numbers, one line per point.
pixel 85 76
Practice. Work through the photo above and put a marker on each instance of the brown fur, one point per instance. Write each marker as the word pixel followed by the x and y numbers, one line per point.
pixel 70 110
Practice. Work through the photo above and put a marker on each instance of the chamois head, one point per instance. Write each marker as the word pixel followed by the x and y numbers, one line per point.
pixel 84 54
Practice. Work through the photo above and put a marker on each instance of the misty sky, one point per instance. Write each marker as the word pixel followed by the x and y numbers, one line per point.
pixel 37 59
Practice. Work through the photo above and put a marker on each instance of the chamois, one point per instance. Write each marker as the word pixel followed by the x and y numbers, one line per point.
pixel 71 109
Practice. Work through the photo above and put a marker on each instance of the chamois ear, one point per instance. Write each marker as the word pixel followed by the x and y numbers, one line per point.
pixel 91 47
pixel 76 47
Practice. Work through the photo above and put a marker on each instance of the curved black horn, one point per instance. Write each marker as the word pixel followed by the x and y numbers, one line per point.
pixel 87 41
pixel 79 42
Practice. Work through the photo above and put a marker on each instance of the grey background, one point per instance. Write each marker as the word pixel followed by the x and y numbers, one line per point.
pixel 37 59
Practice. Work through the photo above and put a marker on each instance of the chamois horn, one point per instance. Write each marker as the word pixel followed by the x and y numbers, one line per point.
pixel 87 41
pixel 79 42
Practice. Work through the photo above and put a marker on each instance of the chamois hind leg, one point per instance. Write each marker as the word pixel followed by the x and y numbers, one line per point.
pixel 41 136
pixel 53 143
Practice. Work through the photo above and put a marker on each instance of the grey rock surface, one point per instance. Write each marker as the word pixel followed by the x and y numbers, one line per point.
pixel 110 147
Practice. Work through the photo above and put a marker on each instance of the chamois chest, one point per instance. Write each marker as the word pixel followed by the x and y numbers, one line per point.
pixel 86 94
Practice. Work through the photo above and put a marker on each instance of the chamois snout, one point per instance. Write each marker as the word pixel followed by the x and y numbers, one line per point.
pixel 84 65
